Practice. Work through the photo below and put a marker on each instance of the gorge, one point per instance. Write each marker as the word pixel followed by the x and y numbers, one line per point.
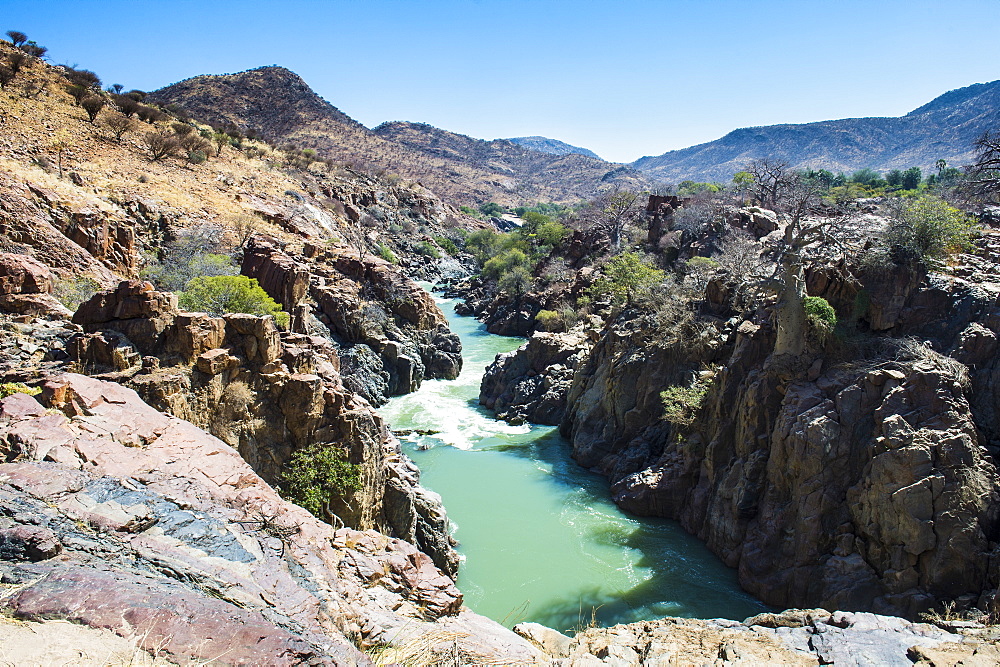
pixel 593 450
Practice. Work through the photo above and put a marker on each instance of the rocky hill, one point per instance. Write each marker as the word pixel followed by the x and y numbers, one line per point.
pixel 554 146
pixel 279 106
pixel 944 128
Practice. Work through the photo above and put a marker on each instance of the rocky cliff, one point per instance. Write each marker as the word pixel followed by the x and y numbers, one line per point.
pixel 391 332
pixel 107 498
pixel 267 394
pixel 861 476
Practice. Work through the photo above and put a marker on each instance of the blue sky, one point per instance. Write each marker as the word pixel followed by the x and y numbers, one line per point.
pixel 625 79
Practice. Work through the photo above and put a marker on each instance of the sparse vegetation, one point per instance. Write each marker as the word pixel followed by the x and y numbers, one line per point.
pixel 9 388
pixel 218 295
pixel 927 229
pixel 71 292
pixel 316 473
pixel 681 403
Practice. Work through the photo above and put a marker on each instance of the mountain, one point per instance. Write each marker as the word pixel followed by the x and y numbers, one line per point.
pixel 278 105
pixel 944 128
pixel 530 174
pixel 554 146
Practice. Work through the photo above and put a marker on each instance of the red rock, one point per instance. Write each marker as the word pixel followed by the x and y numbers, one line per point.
pixel 20 274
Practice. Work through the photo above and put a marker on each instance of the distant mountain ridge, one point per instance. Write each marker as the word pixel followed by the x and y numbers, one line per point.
pixel 554 146
pixel 278 105
pixel 944 128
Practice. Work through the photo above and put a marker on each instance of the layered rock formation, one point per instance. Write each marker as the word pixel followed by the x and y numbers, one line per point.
pixel 794 637
pixel 267 394
pixel 109 499
pixel 26 287
pixel 370 308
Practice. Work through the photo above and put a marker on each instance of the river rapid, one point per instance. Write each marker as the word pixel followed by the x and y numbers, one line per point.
pixel 540 537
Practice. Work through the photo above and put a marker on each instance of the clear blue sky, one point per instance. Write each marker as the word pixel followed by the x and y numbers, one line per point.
pixel 625 79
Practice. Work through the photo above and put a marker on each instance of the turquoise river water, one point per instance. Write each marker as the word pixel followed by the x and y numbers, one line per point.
pixel 540 537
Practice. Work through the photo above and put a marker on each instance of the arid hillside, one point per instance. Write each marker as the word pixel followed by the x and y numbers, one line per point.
pixel 943 129
pixel 279 106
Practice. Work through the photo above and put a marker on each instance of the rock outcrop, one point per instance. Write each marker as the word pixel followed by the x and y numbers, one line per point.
pixel 109 499
pixel 26 287
pixel 363 303
pixel 794 637
pixel 267 394
pixel 532 382
pixel 867 486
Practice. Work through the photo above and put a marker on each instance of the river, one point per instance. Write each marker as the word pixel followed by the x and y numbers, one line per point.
pixel 541 539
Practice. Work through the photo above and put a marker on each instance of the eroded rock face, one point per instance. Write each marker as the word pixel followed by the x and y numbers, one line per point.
pixel 531 383
pixel 122 517
pixel 366 303
pixel 265 393
pixel 794 637
pixel 858 490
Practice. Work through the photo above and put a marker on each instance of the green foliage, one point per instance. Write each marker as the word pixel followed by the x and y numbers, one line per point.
pixel 516 281
pixel 821 316
pixel 8 388
pixel 929 228
pixel 427 249
pixel 468 210
pixel 550 320
pixel 218 295
pixel 627 279
pixel 688 188
pixel 483 244
pixel 447 245
pixel 491 208
pixel 386 253
pixel 316 473
pixel 911 178
pixel 682 403
pixel 505 262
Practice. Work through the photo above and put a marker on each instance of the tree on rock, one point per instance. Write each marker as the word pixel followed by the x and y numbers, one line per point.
pixel 17 38
pixel 218 295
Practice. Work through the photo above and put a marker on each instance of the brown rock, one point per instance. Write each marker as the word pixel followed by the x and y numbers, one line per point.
pixel 20 274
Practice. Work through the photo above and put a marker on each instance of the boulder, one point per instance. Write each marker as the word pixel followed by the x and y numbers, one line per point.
pixel 20 274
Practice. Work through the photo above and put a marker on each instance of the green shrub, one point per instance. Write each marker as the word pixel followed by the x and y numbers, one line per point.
pixel 218 295
pixel 929 228
pixel 821 316
pixel 8 388
pixel 502 264
pixel 627 278
pixel 386 253
pixel 702 263
pixel 682 403
pixel 491 208
pixel 316 473
pixel 516 281
pixel 447 245
pixel 427 249
pixel 550 320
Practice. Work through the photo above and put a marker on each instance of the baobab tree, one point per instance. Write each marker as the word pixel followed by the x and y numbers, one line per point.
pixel 618 208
